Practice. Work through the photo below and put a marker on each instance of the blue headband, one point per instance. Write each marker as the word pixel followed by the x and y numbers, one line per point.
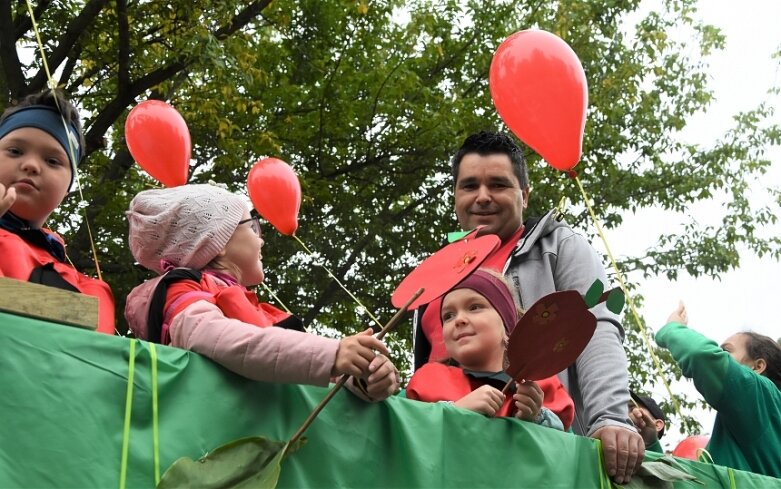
pixel 46 119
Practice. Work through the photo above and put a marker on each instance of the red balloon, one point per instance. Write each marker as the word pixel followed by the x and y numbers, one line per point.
pixel 159 141
pixel 540 91
pixel 691 447
pixel 276 193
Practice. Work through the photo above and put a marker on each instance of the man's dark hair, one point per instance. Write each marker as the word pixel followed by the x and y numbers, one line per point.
pixel 54 99
pixel 761 346
pixel 487 143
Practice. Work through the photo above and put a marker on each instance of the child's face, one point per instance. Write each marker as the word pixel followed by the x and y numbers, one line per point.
pixel 243 252
pixel 36 165
pixel 473 331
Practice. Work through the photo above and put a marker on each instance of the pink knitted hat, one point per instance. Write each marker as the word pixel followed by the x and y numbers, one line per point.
pixel 187 225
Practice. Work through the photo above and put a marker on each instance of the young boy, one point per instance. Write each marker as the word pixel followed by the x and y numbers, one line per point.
pixel 38 160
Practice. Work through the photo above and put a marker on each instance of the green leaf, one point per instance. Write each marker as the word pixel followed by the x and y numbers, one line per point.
pixel 456 235
pixel 247 462
pixel 594 293
pixel 660 474
pixel 615 301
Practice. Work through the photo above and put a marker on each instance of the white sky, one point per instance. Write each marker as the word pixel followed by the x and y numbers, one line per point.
pixel 744 298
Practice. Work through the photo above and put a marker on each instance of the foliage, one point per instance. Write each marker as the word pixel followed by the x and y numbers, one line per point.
pixel 367 100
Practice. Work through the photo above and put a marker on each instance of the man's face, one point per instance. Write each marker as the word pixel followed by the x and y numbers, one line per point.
pixel 488 193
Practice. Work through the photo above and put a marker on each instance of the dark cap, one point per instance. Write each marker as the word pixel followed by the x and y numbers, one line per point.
pixel 652 407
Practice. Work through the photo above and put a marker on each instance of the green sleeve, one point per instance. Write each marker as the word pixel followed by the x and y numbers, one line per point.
pixel 700 359
pixel 655 447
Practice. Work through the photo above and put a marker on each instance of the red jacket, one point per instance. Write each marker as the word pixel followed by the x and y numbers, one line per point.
pixel 435 382
pixel 19 258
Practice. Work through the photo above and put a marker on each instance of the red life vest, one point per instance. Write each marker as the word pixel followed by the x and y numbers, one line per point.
pixel 19 258
pixel 435 382
pixel 235 301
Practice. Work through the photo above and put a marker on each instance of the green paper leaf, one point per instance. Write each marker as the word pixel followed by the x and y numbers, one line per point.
pixel 247 462
pixel 593 294
pixel 615 301
pixel 456 235
pixel 660 474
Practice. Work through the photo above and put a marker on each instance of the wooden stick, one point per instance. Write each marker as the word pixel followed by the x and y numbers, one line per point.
pixel 391 324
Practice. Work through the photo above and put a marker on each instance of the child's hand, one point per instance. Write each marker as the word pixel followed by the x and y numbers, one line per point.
pixel 383 380
pixel 355 353
pixel 484 400
pixel 528 400
pixel 679 315
pixel 7 198
pixel 645 424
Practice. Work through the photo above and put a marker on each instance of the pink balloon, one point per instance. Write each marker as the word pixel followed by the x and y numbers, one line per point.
pixel 158 138
pixel 276 193
pixel 539 89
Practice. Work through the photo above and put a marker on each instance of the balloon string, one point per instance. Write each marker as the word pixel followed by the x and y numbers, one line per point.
pixel 53 85
pixel 629 300
pixel 376 321
pixel 276 298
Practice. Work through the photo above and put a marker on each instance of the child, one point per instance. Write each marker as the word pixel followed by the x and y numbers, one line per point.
pixel 209 232
pixel 740 380
pixel 40 148
pixel 477 315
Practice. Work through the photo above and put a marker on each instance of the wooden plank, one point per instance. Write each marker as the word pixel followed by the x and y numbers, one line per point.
pixel 48 303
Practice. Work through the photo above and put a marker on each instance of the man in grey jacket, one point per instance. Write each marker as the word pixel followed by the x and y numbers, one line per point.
pixel 541 257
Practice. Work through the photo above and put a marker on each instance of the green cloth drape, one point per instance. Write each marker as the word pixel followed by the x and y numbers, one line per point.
pixel 62 402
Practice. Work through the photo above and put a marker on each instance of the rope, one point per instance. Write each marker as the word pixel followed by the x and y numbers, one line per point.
pixel 635 314
pixel 52 86
pixel 376 321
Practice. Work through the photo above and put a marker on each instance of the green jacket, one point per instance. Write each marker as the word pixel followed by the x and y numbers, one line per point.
pixel 747 431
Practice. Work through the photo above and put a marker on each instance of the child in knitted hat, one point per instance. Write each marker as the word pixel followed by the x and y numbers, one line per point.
pixel 207 236
pixel 477 316
pixel 41 144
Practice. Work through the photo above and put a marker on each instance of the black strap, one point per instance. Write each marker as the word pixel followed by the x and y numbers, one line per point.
pixel 422 345
pixel 47 275
pixel 157 304
pixel 292 322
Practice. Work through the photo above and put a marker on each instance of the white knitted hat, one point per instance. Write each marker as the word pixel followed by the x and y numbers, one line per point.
pixel 187 225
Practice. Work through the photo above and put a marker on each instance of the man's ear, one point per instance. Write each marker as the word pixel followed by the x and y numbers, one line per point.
pixel 659 425
pixel 525 192
pixel 760 365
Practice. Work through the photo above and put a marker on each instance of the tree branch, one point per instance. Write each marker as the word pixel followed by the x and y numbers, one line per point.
pixel 123 71
pixel 12 67
pixel 68 40
pixel 24 23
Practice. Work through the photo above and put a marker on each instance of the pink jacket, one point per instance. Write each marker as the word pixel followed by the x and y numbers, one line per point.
pixel 268 354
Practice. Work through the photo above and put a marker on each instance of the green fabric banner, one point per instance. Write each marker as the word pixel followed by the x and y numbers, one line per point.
pixel 63 409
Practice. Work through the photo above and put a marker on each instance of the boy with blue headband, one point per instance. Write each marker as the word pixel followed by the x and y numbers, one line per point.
pixel 41 144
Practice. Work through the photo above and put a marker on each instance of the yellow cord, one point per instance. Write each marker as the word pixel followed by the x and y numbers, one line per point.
pixel 629 300
pixel 338 282
pixel 276 298
pixel 52 86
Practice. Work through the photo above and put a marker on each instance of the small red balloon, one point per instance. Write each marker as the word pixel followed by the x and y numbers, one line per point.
pixel 276 193
pixel 539 89
pixel 691 447
pixel 158 138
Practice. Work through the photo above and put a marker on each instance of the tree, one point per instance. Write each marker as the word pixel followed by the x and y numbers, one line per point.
pixel 368 100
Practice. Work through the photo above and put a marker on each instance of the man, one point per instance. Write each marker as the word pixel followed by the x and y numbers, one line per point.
pixel 649 419
pixel 541 257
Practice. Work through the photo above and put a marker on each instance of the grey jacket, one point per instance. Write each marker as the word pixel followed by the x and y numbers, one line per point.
pixel 550 257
